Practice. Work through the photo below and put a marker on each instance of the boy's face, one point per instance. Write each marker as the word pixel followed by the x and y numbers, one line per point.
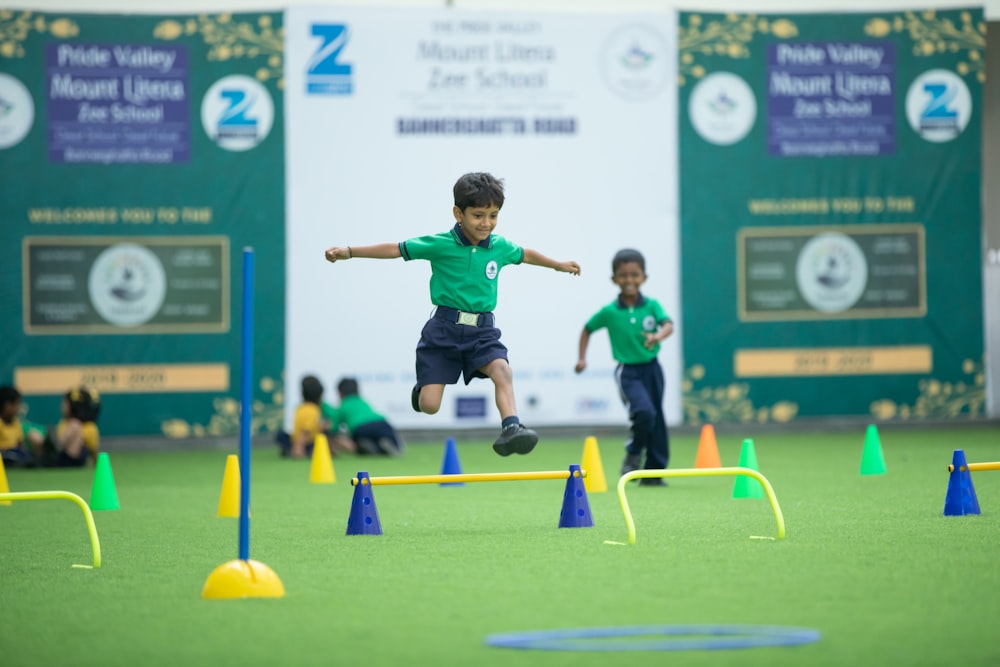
pixel 477 223
pixel 10 410
pixel 629 276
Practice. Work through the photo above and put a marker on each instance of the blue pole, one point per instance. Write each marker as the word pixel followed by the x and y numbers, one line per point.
pixel 246 402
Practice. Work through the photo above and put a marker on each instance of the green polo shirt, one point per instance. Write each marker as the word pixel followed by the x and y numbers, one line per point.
pixel 626 326
pixel 353 412
pixel 463 275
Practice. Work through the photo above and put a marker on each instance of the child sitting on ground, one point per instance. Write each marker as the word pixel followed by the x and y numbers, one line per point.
pixel 16 441
pixel 369 430
pixel 310 421
pixel 76 438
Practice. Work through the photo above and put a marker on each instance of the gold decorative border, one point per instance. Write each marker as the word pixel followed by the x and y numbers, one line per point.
pixel 941 399
pixel 229 40
pixel 728 38
pixel 932 35
pixel 712 405
pixel 16 26
pixel 268 415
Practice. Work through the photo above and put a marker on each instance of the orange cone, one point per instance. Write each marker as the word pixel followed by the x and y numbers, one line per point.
pixel 708 449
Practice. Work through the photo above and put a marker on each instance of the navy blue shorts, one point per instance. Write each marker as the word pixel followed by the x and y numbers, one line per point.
pixel 16 457
pixel 377 438
pixel 448 349
pixel 64 460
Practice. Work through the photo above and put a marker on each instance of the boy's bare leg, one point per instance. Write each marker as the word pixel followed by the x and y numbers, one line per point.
pixel 430 398
pixel 515 437
pixel 298 450
pixel 499 371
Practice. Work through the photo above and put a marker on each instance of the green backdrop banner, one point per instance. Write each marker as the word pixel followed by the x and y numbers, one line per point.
pixel 830 215
pixel 140 155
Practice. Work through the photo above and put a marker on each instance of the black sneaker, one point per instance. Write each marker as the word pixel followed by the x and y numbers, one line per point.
pixel 415 398
pixel 516 439
pixel 631 462
pixel 653 481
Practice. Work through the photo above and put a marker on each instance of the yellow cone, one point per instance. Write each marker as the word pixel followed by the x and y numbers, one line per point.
pixel 321 471
pixel 229 499
pixel 594 482
pixel 4 488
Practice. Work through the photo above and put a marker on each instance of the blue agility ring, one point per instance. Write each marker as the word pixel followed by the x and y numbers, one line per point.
pixel 657 638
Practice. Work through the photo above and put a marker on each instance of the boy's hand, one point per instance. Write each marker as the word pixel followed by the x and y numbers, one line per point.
pixel 580 365
pixel 569 267
pixel 335 253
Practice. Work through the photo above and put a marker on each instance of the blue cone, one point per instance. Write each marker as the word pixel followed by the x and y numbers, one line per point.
pixel 961 497
pixel 450 464
pixel 575 509
pixel 364 515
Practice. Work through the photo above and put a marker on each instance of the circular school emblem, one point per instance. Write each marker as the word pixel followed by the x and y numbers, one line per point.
pixel 492 270
pixel 127 284
pixel 831 272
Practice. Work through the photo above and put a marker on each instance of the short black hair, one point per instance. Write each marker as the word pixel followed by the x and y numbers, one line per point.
pixel 84 403
pixel 348 387
pixel 628 256
pixel 478 189
pixel 312 389
pixel 9 394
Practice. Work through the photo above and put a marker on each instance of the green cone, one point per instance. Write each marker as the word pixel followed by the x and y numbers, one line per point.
pixel 872 461
pixel 103 495
pixel 748 487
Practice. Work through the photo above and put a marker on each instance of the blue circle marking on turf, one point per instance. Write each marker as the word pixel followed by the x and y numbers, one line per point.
pixel 656 638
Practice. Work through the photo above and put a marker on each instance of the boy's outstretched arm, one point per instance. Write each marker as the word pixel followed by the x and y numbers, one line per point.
pixel 581 362
pixel 536 258
pixel 378 251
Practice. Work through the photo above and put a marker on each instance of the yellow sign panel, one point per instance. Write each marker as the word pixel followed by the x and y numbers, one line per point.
pixel 796 362
pixel 124 379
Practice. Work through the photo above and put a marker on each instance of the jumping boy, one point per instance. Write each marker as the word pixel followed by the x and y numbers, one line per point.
pixel 636 325
pixel 461 338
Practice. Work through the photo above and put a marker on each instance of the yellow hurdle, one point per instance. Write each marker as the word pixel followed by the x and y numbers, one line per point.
pixel 695 472
pixel 88 517
pixel 973 467
pixel 469 477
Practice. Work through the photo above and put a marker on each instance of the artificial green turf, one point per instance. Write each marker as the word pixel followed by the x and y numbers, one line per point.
pixel 868 561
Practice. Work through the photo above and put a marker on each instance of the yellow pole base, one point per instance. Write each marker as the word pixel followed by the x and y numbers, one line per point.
pixel 242 579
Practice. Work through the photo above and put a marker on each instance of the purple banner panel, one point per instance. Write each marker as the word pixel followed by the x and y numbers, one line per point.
pixel 831 98
pixel 118 103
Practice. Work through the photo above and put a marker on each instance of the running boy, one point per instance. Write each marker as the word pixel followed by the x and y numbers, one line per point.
pixel 636 325
pixel 461 338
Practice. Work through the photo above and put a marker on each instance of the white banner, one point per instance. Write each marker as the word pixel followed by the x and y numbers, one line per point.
pixel 386 108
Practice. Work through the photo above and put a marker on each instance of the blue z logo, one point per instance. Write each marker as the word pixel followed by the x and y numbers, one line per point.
pixel 325 74
pixel 936 113
pixel 234 121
